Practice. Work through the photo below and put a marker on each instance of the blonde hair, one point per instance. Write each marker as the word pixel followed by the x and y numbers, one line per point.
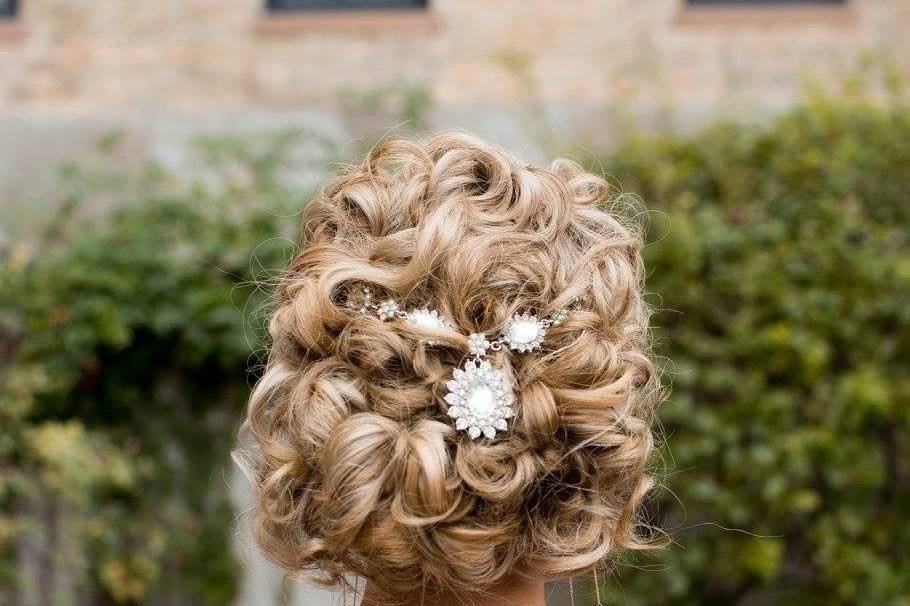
pixel 355 465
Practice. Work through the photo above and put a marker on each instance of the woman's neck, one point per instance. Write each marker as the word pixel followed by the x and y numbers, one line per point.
pixel 527 592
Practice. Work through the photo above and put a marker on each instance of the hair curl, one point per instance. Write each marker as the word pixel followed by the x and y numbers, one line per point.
pixel 355 465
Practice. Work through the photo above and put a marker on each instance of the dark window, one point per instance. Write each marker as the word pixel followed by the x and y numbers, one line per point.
pixel 290 5
pixel 7 8
pixel 747 2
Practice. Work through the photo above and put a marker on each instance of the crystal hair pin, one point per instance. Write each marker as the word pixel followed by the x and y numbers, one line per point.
pixel 479 396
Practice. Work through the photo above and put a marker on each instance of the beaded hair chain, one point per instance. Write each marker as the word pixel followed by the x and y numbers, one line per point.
pixel 479 396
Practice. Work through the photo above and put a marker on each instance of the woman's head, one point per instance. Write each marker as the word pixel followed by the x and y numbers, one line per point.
pixel 356 465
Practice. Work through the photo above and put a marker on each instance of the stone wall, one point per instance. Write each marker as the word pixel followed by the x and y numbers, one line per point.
pixel 201 54
pixel 518 71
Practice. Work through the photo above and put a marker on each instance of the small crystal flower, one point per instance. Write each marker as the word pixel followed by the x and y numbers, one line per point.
pixel 429 319
pixel 559 317
pixel 387 309
pixel 480 399
pixel 524 332
pixel 478 344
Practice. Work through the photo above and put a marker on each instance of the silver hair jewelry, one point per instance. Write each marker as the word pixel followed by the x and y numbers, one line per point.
pixel 479 396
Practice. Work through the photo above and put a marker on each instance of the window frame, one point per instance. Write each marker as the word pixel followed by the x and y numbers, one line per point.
pixel 759 14
pixel 288 6
pixel 767 3
pixel 13 11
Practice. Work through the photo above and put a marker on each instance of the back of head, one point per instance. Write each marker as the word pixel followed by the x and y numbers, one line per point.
pixel 357 466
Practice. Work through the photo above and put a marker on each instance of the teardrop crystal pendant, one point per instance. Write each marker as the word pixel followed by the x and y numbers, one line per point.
pixel 480 399
pixel 429 319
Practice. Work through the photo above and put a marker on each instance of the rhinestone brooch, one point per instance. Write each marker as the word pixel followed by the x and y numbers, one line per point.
pixel 480 399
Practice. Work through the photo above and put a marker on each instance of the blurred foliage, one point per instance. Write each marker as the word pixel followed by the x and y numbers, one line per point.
pixel 402 104
pixel 780 269
pixel 124 370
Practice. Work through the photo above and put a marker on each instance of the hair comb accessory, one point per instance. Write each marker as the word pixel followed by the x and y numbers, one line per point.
pixel 479 396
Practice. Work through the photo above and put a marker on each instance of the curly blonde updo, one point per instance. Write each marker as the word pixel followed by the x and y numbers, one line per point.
pixel 357 468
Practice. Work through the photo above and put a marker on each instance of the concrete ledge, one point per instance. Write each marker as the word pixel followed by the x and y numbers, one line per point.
pixel 771 15
pixel 357 21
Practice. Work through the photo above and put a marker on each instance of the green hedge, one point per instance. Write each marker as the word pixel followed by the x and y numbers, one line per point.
pixel 780 265
pixel 128 340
